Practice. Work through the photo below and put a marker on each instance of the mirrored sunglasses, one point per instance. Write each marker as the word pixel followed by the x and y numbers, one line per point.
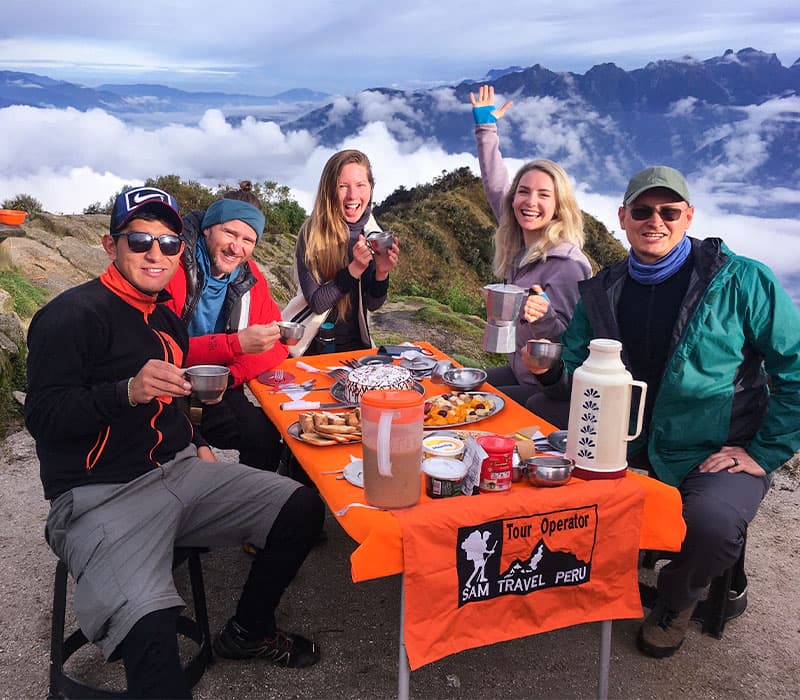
pixel 140 242
pixel 642 213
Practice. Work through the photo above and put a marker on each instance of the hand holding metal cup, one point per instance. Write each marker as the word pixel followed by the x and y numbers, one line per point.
pixel 209 382
pixel 291 332
pixel 379 241
pixel 540 355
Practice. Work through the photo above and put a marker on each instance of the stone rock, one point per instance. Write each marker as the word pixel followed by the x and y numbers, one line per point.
pixel 88 228
pixel 7 346
pixel 93 260
pixel 6 302
pixel 11 325
pixel 42 265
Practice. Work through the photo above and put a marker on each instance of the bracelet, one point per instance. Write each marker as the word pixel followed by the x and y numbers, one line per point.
pixel 131 402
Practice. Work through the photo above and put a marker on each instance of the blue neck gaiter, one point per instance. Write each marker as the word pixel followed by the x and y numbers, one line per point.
pixel 206 318
pixel 662 269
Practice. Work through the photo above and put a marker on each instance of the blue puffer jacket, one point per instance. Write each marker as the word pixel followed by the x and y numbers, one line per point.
pixel 737 327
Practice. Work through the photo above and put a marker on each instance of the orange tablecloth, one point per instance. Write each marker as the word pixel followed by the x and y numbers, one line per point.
pixel 380 552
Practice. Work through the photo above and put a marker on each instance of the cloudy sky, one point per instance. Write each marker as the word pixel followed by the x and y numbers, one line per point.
pixel 266 46
pixel 69 159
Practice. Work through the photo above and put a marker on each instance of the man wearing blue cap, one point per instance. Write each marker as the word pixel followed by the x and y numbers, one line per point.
pixel 128 478
pixel 225 302
pixel 717 340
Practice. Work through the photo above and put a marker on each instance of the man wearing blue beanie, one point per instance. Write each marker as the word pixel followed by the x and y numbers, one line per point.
pixel 224 300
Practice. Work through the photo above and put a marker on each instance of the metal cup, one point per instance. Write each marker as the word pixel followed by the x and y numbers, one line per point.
pixel 379 241
pixel 209 382
pixel 542 353
pixel 437 373
pixel 291 332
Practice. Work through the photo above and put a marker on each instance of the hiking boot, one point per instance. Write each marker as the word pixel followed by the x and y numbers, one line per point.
pixel 663 631
pixel 283 649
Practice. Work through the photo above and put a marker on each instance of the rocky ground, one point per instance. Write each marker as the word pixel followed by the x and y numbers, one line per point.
pixel 357 624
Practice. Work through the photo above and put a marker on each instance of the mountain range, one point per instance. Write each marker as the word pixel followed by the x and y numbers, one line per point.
pixel 731 122
pixel 131 101
pixel 732 119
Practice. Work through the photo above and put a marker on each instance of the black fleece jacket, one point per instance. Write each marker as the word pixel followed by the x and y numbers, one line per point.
pixel 83 346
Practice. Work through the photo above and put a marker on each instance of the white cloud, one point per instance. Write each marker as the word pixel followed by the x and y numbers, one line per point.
pixel 380 107
pixel 682 107
pixel 445 100
pixel 543 124
pixel 69 159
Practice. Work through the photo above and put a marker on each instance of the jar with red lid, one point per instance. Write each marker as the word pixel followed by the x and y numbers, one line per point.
pixel 496 468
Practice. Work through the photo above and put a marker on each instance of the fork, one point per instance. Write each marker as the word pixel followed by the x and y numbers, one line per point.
pixel 351 363
pixel 277 376
pixel 338 375
pixel 339 513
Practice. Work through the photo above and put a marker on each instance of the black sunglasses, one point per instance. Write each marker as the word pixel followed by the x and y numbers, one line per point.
pixel 643 213
pixel 140 242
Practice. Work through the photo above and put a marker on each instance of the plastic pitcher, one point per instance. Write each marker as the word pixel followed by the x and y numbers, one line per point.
pixel 391 429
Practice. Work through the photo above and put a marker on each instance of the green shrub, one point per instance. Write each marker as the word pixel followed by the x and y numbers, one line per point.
pixel 23 202
pixel 461 301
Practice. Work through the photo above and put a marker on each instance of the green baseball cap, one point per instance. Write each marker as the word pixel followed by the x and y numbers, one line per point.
pixel 656 176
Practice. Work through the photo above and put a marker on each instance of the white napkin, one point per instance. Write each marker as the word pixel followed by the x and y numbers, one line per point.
pixel 307 367
pixel 412 355
pixel 295 394
pixel 299 405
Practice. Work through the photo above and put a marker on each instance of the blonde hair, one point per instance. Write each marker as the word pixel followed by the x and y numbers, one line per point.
pixel 566 225
pixel 325 230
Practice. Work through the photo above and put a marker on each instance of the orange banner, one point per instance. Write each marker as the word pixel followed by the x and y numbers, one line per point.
pixel 503 566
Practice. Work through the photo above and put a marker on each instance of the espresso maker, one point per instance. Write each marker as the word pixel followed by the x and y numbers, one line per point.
pixel 503 302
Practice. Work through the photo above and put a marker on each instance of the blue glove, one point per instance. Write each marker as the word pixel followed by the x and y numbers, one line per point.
pixel 483 115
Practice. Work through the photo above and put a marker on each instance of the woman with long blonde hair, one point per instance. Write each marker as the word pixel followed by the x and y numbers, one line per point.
pixel 336 268
pixel 538 243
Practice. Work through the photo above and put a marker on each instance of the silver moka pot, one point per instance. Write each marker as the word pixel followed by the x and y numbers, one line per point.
pixel 503 302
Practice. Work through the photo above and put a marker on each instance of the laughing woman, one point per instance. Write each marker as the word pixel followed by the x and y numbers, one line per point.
pixel 538 243
pixel 336 269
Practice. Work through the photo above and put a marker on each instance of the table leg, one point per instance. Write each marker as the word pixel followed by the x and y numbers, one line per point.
pixel 403 670
pixel 605 659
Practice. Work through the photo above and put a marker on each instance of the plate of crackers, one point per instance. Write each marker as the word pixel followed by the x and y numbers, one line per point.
pixel 325 428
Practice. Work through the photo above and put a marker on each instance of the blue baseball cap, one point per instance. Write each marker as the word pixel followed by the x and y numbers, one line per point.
pixel 140 199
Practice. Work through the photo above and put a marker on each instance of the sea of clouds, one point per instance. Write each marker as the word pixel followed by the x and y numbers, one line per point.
pixel 69 159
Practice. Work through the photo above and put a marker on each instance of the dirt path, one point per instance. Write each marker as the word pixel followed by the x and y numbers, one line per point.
pixel 357 624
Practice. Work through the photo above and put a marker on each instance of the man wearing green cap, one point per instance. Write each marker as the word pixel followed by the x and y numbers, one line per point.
pixel 224 300
pixel 706 329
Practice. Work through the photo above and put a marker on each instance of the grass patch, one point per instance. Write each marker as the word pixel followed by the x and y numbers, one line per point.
pixel 26 297
pixel 12 376
pixel 434 315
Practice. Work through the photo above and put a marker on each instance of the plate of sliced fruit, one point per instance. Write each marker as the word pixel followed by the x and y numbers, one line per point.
pixel 458 408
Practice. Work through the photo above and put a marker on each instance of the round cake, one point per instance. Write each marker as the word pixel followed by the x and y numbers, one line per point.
pixel 372 377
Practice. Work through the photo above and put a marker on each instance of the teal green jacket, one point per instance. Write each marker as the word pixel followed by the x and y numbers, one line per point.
pixel 732 376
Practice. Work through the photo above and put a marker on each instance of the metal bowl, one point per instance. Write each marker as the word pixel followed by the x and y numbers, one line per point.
pixel 291 332
pixel 543 354
pixel 464 378
pixel 548 471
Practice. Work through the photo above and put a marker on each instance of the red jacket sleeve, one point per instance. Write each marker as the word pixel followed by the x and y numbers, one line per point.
pixel 224 348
